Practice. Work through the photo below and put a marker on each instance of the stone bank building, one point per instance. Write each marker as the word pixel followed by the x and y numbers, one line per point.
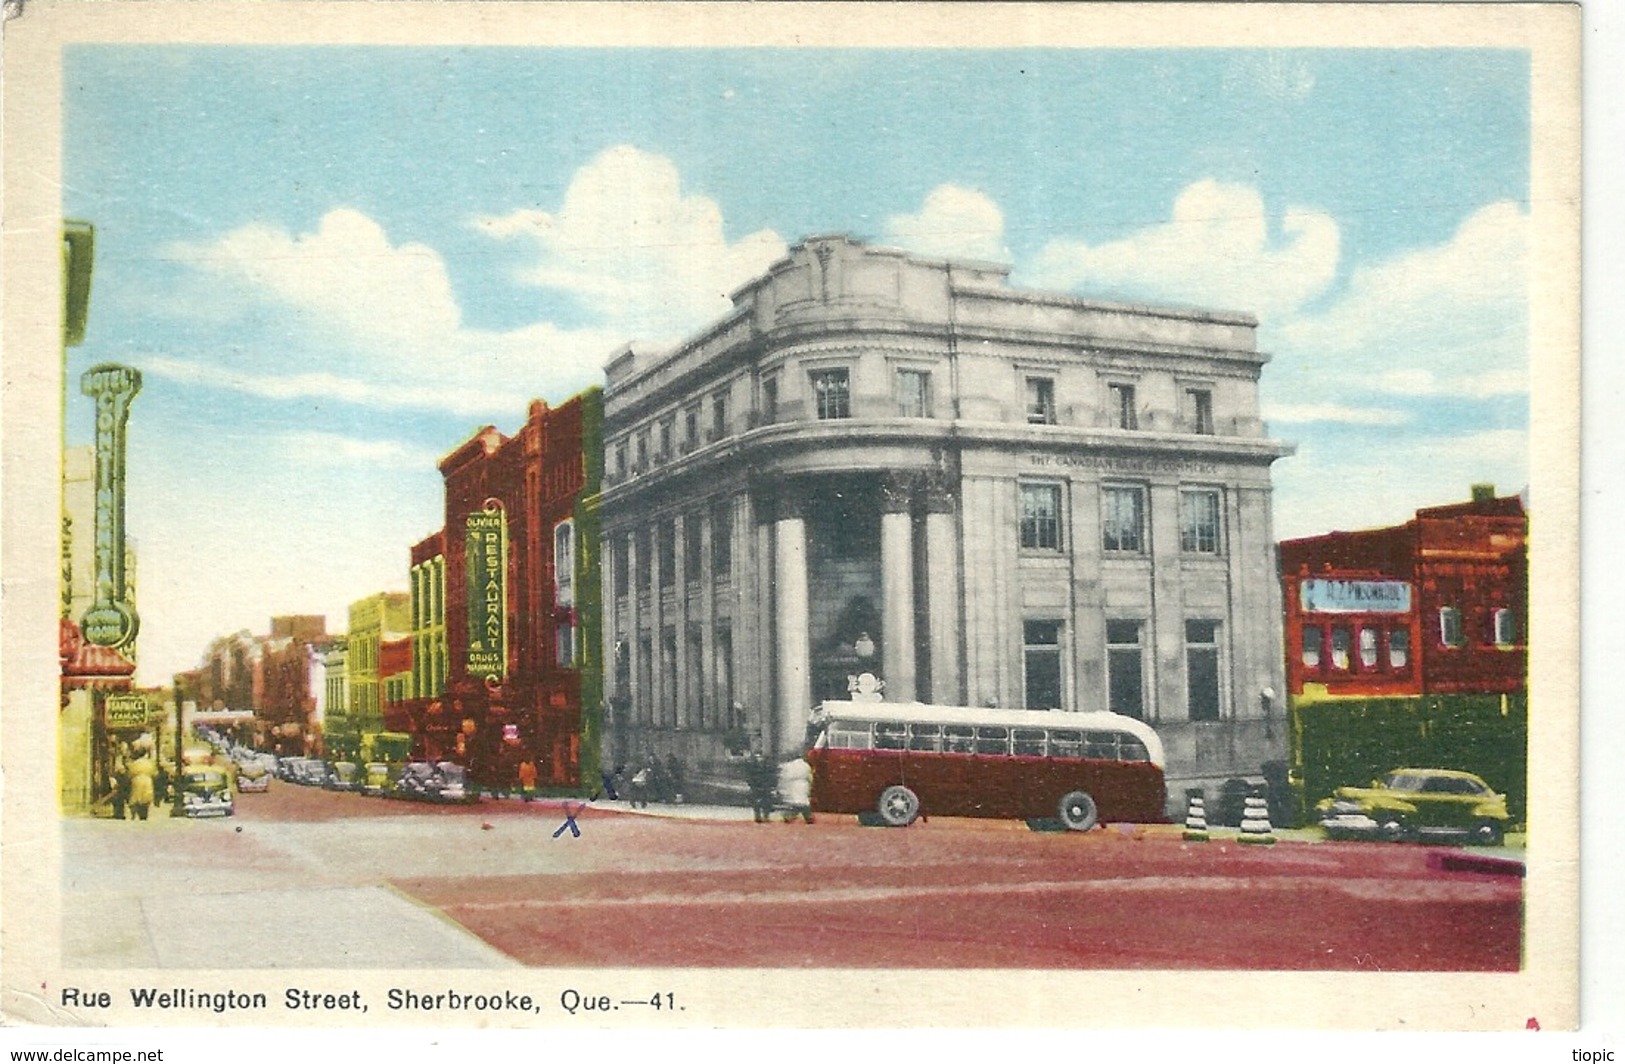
pixel 902 466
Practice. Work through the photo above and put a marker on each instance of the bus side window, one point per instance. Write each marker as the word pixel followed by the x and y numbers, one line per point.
pixel 1132 749
pixel 992 740
pixel 889 735
pixel 925 737
pixel 1100 744
pixel 1027 742
pixel 1065 744
pixel 959 739
pixel 849 735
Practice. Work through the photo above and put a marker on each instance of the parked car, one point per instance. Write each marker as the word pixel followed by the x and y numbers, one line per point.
pixel 252 777
pixel 343 776
pixel 440 781
pixel 1418 803
pixel 377 777
pixel 205 791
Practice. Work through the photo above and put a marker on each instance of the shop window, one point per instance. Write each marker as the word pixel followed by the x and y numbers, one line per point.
pixel 1199 521
pixel 832 394
pixel 1368 648
pixel 1340 648
pixel 1123 526
pixel 1312 637
pixel 1399 647
pixel 1041 661
pixel 1125 678
pixel 1041 517
pixel 1040 400
pixel 913 393
pixel 1450 626
pixel 1121 407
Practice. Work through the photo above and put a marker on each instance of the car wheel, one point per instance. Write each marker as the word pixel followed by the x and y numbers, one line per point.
pixel 898 806
pixel 1487 833
pixel 1392 829
pixel 1079 812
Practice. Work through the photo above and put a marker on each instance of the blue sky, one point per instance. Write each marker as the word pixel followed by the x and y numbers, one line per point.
pixel 332 264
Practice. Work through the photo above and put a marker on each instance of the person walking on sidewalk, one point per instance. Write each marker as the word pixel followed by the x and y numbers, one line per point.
pixel 527 779
pixel 760 778
pixel 142 772
pixel 795 788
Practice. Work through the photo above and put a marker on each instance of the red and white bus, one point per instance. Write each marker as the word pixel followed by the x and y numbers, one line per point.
pixel 901 760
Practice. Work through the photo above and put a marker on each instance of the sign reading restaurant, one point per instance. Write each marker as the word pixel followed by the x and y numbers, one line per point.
pixel 486 542
pixel 1355 596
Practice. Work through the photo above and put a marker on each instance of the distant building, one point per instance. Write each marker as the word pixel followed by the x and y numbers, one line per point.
pixel 1438 605
pixel 378 619
pixel 885 464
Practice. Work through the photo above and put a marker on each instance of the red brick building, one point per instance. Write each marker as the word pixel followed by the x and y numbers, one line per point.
pixel 498 589
pixel 1438 605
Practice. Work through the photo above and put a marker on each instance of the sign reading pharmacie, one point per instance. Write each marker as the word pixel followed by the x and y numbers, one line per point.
pixel 1354 596
pixel 127 711
pixel 485 539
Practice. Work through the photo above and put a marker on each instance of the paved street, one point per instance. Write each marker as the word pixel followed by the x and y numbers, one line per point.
pixel 354 882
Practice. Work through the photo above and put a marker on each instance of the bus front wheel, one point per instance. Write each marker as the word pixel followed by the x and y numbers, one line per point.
pixel 1078 811
pixel 898 806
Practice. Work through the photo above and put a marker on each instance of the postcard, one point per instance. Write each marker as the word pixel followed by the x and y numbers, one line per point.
pixel 708 515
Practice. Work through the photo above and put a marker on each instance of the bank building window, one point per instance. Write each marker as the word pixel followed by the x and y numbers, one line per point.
pixel 913 393
pixel 1120 406
pixel 1040 401
pixel 1125 681
pixel 1041 659
pixel 1041 517
pixel 1199 411
pixel 666 430
pixel 719 415
pixel 1199 522
pixel 1202 669
pixel 770 399
pixel 832 394
pixel 1123 527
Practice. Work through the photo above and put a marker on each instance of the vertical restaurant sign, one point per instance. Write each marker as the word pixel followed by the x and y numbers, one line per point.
pixel 486 542
pixel 111 621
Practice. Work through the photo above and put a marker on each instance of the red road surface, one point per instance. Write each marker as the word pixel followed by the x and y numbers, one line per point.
pixel 958 893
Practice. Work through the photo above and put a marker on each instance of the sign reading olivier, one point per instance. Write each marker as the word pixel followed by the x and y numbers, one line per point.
pixel 486 541
pixel 111 621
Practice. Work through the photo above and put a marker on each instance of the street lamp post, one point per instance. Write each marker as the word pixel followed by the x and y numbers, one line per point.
pixel 179 808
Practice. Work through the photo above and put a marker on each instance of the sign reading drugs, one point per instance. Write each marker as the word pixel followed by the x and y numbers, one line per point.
pixel 486 543
pixel 127 711
pixel 1355 596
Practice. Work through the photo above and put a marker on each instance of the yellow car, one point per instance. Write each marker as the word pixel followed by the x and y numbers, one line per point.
pixel 1418 803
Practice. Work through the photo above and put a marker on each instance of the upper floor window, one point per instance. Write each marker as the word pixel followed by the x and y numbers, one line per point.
pixel 722 540
pixel 1199 521
pixel 1399 647
pixel 667 430
pixel 564 563
pixel 913 393
pixel 1340 648
pixel 832 393
pixel 1199 410
pixel 692 543
pixel 1450 626
pixel 1368 648
pixel 1121 407
pixel 1505 627
pixel 666 543
pixel 770 399
pixel 643 450
pixel 1040 400
pixel 1311 647
pixel 691 426
pixel 620 460
pixel 719 415
pixel 1041 516
pixel 1123 523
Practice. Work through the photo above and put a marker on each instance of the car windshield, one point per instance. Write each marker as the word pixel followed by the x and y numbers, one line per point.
pixel 451 773
pixel 1405 781
pixel 204 781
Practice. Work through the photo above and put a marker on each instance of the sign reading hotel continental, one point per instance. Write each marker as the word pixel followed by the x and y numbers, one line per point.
pixel 486 541
pixel 1355 596
pixel 111 621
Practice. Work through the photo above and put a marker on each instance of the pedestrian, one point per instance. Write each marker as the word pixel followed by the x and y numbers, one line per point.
pixel 642 780
pixel 760 778
pixel 527 779
pixel 121 788
pixel 141 788
pixel 673 777
pixel 612 782
pixel 795 788
pixel 161 783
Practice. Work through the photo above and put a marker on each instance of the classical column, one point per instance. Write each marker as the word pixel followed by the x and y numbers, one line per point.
pixel 943 588
pixel 794 694
pixel 707 709
pixel 897 586
pixel 680 577
pixel 636 695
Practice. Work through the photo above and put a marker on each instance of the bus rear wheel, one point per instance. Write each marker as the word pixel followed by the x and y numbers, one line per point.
pixel 898 806
pixel 1079 812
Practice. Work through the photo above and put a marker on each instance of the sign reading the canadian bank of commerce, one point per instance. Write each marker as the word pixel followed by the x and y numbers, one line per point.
pixel 127 711
pixel 1355 596
pixel 111 621
pixel 486 541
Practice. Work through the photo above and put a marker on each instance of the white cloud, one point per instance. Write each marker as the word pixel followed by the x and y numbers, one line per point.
pixel 954 222
pixel 1336 413
pixel 646 258
pixel 1448 319
pixel 1216 250
pixel 327 448
pixel 1318 491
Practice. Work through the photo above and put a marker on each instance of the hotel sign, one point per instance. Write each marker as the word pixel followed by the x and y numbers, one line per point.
pixel 1355 596
pixel 111 621
pixel 486 542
